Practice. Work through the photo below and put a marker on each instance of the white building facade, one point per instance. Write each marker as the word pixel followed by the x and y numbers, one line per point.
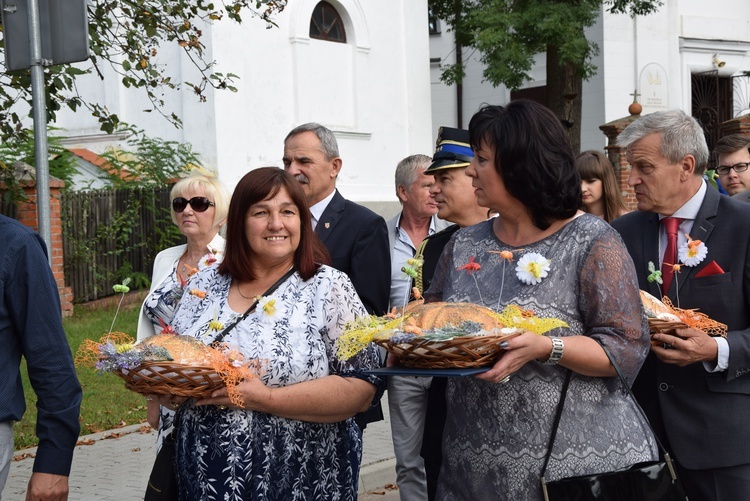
pixel 380 89
pixel 688 55
pixel 371 89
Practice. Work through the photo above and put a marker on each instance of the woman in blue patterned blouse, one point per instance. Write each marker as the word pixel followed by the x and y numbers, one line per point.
pixel 293 437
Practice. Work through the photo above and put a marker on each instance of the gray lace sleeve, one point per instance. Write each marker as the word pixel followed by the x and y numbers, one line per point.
pixel 610 303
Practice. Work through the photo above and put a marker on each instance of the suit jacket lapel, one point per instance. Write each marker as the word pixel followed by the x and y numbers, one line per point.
pixel 330 217
pixel 651 250
pixel 702 228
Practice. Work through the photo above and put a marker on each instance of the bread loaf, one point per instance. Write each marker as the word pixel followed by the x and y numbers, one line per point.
pixel 438 315
pixel 183 349
pixel 656 309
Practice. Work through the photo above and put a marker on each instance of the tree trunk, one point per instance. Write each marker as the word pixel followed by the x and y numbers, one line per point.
pixel 564 95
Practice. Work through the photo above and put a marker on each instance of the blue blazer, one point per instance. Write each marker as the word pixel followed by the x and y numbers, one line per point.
pixel 703 415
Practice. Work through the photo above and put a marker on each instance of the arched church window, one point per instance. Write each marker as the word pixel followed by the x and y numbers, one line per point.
pixel 326 24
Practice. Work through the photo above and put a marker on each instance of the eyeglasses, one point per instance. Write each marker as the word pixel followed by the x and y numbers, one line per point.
pixel 199 204
pixel 723 170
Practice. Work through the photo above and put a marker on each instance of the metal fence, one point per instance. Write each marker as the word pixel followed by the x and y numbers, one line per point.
pixel 111 234
pixel 8 207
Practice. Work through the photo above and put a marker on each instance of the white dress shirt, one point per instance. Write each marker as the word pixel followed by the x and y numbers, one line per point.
pixel 688 213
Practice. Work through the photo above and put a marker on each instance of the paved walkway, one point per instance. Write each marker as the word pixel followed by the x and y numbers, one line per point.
pixel 114 465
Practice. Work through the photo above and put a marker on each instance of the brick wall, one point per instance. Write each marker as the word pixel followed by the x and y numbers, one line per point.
pixel 739 125
pixel 618 158
pixel 27 214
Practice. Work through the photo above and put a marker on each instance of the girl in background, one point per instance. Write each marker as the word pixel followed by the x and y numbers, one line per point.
pixel 601 195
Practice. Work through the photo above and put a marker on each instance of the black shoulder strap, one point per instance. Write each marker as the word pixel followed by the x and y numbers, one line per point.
pixel 556 422
pixel 250 309
pixel 625 384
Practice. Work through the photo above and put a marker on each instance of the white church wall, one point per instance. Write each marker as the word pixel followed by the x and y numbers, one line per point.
pixel 373 92
pixel 654 54
pixel 593 96
pixel 442 52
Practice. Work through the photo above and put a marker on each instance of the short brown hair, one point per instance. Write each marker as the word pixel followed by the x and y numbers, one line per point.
pixel 256 186
pixel 729 144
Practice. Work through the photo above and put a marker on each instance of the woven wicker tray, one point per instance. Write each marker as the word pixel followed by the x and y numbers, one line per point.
pixel 169 378
pixel 664 326
pixel 459 352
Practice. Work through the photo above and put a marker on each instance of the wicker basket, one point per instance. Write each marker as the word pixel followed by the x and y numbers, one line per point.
pixel 169 378
pixel 457 353
pixel 664 326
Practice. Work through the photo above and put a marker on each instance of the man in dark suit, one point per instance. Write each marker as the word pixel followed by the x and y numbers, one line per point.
pixel 356 237
pixel 694 388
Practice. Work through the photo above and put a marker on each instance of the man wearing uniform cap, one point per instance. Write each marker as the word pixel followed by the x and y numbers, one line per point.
pixel 457 204
pixel 453 194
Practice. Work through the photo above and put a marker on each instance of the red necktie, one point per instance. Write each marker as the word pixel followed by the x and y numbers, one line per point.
pixel 671 226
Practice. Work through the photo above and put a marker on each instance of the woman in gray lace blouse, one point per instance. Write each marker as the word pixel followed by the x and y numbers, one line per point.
pixel 565 264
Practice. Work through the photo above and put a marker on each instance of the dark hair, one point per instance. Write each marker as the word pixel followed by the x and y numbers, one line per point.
pixel 594 164
pixel 734 142
pixel 533 157
pixel 256 186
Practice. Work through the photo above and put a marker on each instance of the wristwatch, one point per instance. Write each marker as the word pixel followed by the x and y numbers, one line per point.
pixel 557 351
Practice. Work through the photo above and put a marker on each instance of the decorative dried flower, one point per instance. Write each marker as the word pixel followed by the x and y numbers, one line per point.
pixel 122 289
pixel 470 266
pixel 267 305
pixel 676 268
pixel 415 262
pixel 654 274
pixel 409 271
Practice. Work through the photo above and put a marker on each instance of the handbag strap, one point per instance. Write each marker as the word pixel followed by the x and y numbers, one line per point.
pixel 251 308
pixel 625 384
pixel 556 421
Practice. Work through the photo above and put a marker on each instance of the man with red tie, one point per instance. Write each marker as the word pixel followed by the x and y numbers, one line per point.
pixel 696 392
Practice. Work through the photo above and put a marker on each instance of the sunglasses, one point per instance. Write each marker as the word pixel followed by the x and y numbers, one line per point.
pixel 198 204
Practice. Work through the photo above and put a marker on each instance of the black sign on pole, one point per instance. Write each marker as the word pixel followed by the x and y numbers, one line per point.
pixel 64 32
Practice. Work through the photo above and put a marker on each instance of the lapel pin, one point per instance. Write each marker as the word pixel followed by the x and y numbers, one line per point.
pixel 327 225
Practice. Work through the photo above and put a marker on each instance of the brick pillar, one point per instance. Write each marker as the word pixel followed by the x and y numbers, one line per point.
pixel 739 125
pixel 618 158
pixel 27 214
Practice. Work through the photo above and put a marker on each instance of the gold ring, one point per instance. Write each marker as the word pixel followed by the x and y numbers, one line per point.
pixel 222 407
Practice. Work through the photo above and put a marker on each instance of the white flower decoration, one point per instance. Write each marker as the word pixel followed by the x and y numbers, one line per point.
pixel 692 252
pixel 532 268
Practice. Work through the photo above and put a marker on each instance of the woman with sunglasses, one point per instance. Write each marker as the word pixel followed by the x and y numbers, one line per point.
pixel 199 209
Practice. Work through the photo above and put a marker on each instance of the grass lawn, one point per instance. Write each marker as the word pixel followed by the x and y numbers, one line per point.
pixel 106 403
